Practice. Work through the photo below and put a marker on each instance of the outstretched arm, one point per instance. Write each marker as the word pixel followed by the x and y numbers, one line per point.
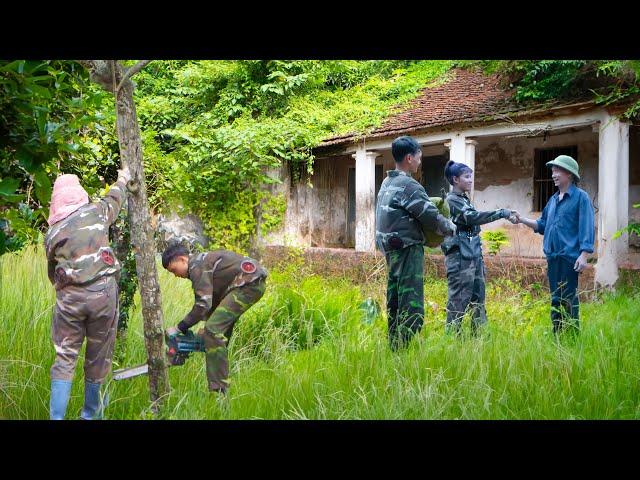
pixel 113 200
pixel 465 214
pixel 537 226
pixel 203 288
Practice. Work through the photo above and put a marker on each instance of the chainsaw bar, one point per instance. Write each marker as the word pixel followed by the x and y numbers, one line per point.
pixel 125 373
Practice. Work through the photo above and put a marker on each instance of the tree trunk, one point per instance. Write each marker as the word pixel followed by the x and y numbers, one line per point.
pixel 142 242
pixel 127 285
pixel 142 238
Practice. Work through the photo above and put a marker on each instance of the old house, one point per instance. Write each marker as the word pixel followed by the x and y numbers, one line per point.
pixel 471 119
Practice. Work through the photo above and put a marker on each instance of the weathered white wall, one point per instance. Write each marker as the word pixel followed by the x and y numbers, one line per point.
pixel 316 215
pixel 504 179
pixel 613 194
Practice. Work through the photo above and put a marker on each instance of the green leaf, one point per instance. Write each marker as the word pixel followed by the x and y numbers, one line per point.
pixel 8 186
pixel 11 198
pixel 15 66
pixel 42 187
pixel 41 121
pixel 40 78
pixel 31 66
pixel 42 91
pixel 42 212
pixel 26 159
pixel 70 147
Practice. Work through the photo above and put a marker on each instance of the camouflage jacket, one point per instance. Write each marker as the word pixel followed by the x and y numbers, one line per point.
pixel 404 213
pixel 468 220
pixel 212 276
pixel 77 247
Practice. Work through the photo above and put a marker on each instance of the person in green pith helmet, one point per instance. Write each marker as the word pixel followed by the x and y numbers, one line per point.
pixel 568 225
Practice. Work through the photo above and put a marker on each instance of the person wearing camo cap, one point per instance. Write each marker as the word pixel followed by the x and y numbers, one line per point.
pixel 84 271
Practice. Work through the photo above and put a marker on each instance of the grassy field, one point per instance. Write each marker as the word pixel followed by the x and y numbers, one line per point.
pixel 309 351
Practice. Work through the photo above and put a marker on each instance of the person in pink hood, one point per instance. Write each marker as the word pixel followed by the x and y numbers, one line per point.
pixel 84 272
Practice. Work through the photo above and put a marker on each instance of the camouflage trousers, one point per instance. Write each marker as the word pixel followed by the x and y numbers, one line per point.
pixel 465 278
pixel 89 311
pixel 405 294
pixel 219 328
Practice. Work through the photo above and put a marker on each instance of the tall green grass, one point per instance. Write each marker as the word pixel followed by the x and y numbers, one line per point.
pixel 307 351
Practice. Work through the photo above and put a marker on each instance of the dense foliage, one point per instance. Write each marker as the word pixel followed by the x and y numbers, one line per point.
pixel 213 130
pixel 547 80
pixel 47 109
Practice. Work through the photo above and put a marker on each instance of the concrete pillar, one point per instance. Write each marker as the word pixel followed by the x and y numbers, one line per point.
pixel 365 199
pixel 470 160
pixel 457 148
pixel 613 198
pixel 460 151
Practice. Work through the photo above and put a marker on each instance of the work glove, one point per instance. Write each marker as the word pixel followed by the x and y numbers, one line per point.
pixel 124 174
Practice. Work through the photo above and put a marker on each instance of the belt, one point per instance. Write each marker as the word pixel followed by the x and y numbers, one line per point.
pixel 467 233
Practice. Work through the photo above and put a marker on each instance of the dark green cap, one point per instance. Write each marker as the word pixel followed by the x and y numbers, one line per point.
pixel 566 162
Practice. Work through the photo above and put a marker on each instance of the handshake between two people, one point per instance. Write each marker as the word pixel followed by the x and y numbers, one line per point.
pixel 514 217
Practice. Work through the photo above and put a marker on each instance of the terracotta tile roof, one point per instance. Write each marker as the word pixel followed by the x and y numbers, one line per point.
pixel 468 96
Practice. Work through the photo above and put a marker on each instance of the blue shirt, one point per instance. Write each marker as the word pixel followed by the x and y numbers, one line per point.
pixel 567 225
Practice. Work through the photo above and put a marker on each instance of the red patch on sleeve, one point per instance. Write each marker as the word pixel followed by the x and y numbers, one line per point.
pixel 107 257
pixel 248 267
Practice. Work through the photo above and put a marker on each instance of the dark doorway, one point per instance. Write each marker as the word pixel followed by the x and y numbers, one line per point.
pixel 433 179
pixel 379 178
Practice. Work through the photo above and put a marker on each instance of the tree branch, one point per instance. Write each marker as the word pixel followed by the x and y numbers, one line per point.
pixel 99 72
pixel 88 64
pixel 132 71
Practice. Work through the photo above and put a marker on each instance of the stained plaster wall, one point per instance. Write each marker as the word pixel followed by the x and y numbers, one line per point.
pixel 504 179
pixel 317 216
